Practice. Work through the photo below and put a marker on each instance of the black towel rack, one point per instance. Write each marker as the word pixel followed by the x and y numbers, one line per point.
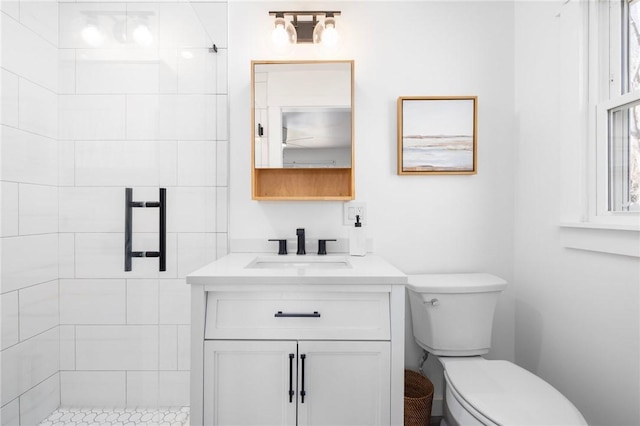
pixel 161 204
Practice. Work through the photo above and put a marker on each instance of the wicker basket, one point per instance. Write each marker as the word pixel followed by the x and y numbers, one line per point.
pixel 418 397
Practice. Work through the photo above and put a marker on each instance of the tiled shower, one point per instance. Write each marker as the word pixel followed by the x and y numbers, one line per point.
pixel 97 97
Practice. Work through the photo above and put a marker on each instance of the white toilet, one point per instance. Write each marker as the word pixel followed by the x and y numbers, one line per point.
pixel 452 318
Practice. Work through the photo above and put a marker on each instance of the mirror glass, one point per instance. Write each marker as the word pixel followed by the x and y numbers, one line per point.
pixel 302 114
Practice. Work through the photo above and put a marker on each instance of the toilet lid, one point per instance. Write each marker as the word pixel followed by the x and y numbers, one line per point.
pixel 509 395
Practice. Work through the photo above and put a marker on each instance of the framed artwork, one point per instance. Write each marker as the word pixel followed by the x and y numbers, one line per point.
pixel 437 135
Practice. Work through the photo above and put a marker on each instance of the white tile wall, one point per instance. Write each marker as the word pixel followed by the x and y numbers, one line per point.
pixel 29 179
pixel 41 17
pixel 168 356
pixel 28 363
pixel 114 347
pixel 197 163
pixel 66 255
pixel 92 117
pixel 41 264
pixel 171 117
pixel 173 388
pixel 92 388
pixel 67 347
pixel 38 309
pixel 37 403
pixel 38 109
pixel 142 389
pixel 195 251
pixel 139 117
pixel 66 163
pixel 28 158
pixel 10 99
pixel 10 413
pixel 10 321
pixel 191 209
pixel 184 347
pixel 174 302
pixel 125 163
pixel 96 301
pixel 117 71
pixel 10 218
pixel 28 54
pixel 38 209
pixel 142 301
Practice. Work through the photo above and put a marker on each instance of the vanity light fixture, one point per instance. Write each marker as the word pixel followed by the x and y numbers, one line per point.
pixel 318 27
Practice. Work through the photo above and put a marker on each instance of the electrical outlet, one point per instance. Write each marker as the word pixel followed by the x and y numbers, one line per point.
pixel 351 209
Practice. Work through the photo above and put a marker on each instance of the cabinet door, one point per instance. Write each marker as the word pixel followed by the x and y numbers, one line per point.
pixel 345 383
pixel 248 382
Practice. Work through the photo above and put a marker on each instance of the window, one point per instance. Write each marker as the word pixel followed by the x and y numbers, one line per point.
pixel 617 155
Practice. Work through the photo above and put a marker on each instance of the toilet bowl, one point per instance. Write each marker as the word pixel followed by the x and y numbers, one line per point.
pixel 452 318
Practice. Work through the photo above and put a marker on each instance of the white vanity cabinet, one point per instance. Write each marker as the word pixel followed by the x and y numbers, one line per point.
pixel 262 382
pixel 297 347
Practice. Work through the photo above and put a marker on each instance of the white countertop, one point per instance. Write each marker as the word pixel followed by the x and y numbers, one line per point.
pixel 232 269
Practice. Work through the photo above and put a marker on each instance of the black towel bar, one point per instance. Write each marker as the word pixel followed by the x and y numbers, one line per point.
pixel 128 229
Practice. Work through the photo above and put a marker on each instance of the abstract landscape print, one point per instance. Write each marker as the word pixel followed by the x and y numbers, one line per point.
pixel 437 135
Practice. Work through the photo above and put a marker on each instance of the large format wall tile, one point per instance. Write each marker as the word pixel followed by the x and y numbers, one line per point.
pixel 10 413
pixel 10 99
pixel 38 109
pixel 28 55
pixel 10 212
pixel 27 157
pixel 92 117
pixel 28 363
pixel 113 347
pixel 38 309
pixel 97 301
pixel 38 209
pixel 125 163
pixel 37 403
pixel 142 301
pixel 10 319
pixel 92 388
pixel 41 16
pixel 28 260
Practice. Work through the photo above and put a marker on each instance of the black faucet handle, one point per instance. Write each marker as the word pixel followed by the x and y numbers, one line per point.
pixel 282 246
pixel 322 247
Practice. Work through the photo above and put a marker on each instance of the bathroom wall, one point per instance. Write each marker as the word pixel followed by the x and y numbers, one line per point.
pixel 418 223
pixel 577 312
pixel 29 239
pixel 140 113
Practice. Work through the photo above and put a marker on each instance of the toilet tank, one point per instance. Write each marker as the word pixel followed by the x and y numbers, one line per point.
pixel 452 314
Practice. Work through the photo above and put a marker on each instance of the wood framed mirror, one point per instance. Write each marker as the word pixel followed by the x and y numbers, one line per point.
pixel 302 130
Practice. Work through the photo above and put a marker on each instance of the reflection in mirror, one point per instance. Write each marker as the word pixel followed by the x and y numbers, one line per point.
pixel 302 114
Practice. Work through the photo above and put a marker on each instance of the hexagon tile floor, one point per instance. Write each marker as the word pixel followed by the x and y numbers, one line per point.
pixel 175 416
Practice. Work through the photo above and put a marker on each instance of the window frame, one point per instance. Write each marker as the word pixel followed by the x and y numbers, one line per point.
pixel 605 93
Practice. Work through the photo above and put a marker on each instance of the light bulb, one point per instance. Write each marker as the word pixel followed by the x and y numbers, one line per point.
pixel 92 35
pixel 284 36
pixel 325 35
pixel 142 35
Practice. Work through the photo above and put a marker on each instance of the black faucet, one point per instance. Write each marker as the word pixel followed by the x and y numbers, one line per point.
pixel 300 234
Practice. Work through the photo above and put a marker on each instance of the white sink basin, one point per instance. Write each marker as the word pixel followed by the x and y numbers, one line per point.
pixel 299 262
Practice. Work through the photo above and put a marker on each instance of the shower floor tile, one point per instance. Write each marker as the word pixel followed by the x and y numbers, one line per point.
pixel 177 416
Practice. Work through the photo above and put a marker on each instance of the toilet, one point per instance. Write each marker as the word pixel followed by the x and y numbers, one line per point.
pixel 452 318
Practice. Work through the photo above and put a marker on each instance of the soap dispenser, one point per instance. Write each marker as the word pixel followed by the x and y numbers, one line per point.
pixel 357 239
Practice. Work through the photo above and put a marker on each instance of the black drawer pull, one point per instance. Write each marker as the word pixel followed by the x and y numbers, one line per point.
pixel 281 314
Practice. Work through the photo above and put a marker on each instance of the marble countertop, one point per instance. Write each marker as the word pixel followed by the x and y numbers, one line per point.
pixel 236 268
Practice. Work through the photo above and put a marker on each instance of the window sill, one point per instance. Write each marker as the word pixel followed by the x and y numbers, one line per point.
pixel 623 240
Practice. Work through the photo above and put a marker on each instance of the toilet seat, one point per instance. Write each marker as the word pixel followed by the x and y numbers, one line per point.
pixel 501 393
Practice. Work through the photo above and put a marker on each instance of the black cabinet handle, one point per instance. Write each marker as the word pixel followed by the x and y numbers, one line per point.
pixel 281 314
pixel 302 392
pixel 291 392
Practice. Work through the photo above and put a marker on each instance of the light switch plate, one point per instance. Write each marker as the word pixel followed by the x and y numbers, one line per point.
pixel 353 208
